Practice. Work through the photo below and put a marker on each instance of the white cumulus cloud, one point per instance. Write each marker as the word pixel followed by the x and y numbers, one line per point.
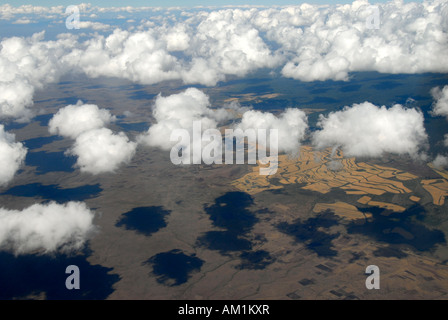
pixel 93 25
pixel 291 126
pixel 179 111
pixel 12 155
pixel 73 120
pixel 440 161
pixel 46 228
pixel 440 106
pixel 98 149
pixel 368 130
pixel 101 150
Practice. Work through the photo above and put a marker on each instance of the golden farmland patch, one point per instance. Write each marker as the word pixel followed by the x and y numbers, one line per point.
pixel 438 188
pixel 342 209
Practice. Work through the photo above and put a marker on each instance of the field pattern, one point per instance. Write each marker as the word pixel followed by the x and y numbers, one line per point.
pixel 322 171
pixel 438 188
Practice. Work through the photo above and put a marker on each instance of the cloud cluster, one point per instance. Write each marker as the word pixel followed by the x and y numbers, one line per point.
pixel 328 42
pixel 8 10
pixel 361 130
pixel 367 130
pixel 12 155
pixel 186 109
pixel 306 42
pixel 291 126
pixel 98 149
pixel 226 42
pixel 27 64
pixel 46 228
pixel 440 105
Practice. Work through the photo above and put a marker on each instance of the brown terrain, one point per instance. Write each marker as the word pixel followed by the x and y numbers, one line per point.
pixel 344 194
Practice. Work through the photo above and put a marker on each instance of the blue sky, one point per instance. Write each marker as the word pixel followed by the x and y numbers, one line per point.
pixel 183 3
